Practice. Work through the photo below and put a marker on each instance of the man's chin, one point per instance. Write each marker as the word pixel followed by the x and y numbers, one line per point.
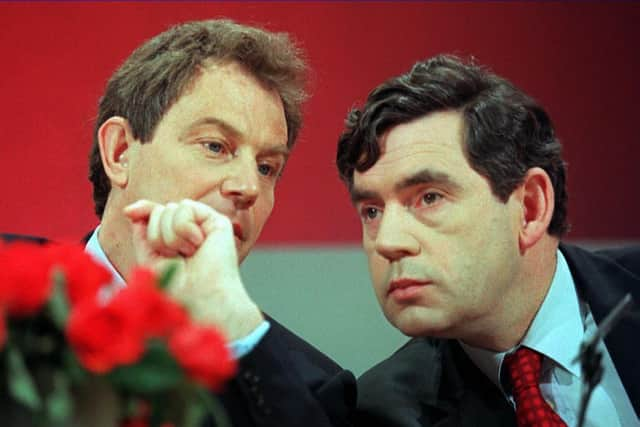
pixel 420 322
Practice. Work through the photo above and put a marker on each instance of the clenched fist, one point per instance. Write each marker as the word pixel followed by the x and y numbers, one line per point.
pixel 202 242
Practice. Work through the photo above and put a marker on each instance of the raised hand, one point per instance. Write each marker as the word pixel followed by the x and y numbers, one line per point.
pixel 202 242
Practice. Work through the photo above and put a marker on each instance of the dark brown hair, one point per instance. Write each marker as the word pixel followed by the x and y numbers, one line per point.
pixel 507 132
pixel 157 73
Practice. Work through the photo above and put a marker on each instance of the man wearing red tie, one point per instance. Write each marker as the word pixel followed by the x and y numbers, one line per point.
pixel 459 182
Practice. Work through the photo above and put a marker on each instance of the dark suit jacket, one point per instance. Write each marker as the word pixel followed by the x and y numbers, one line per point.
pixel 283 381
pixel 432 382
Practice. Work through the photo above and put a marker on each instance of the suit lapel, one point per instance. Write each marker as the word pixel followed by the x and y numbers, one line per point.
pixel 472 399
pixel 431 382
pixel 602 283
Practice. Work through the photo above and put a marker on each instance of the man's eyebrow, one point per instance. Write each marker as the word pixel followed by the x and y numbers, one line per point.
pixel 358 196
pixel 426 176
pixel 275 150
pixel 226 127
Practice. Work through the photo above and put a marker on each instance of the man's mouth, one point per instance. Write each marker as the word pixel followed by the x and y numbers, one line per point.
pixel 406 288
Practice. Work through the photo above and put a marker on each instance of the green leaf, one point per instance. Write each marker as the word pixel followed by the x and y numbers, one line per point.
pixel 194 414
pixel 167 275
pixel 76 373
pixel 21 385
pixel 59 402
pixel 58 304
pixel 157 372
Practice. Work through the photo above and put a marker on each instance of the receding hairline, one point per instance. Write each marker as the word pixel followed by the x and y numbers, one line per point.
pixel 210 64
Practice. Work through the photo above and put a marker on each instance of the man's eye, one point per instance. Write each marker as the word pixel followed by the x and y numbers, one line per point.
pixel 215 147
pixel 431 198
pixel 266 169
pixel 370 213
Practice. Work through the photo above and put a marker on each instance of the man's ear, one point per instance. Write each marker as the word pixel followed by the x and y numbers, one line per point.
pixel 115 139
pixel 537 198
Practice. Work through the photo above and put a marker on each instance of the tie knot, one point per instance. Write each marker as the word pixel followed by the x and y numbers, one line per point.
pixel 524 366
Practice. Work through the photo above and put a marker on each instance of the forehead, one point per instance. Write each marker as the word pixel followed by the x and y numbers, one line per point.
pixel 433 141
pixel 229 93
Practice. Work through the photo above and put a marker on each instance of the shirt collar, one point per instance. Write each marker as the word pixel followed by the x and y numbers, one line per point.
pixel 556 331
pixel 94 249
pixel 558 328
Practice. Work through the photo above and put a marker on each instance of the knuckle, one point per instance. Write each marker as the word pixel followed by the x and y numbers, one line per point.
pixel 182 227
pixel 157 209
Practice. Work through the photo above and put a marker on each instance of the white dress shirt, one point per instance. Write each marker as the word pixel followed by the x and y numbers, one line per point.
pixel 558 329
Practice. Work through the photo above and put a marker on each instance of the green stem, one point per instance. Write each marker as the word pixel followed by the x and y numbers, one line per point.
pixel 214 408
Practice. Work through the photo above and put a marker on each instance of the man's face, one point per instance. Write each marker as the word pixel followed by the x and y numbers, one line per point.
pixel 442 248
pixel 223 143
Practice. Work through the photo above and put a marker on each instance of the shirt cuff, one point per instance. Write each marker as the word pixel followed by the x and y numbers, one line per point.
pixel 243 346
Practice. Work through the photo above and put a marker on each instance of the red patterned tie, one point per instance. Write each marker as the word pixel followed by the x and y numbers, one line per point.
pixel 524 367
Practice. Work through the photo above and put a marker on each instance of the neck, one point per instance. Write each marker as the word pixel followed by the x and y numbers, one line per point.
pixel 516 311
pixel 115 238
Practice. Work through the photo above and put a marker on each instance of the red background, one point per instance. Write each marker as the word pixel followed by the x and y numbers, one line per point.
pixel 579 60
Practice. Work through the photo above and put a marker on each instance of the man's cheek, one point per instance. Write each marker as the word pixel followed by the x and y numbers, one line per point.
pixel 378 278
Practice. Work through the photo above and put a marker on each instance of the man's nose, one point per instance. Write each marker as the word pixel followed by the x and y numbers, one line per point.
pixel 394 239
pixel 241 184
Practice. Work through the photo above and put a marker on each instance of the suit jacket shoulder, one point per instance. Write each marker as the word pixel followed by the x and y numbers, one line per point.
pixel 284 381
pixel 626 258
pixel 396 391
pixel 430 382
pixel 603 278
pixel 9 237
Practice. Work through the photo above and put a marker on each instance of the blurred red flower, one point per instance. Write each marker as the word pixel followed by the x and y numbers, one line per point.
pixel 203 354
pixel 105 335
pixel 25 278
pixel 84 277
pixel 160 314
